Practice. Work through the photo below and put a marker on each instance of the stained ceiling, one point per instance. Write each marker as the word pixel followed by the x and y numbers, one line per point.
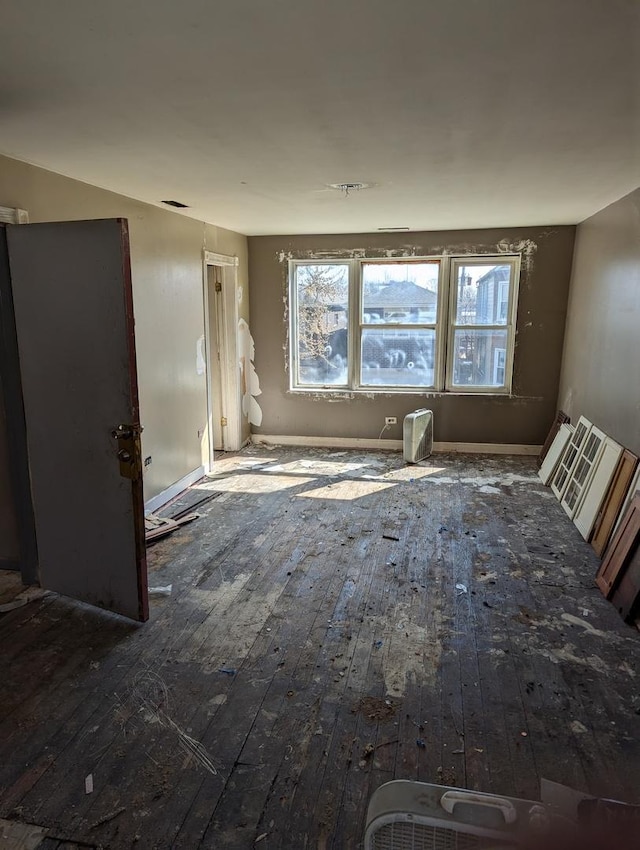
pixel 457 113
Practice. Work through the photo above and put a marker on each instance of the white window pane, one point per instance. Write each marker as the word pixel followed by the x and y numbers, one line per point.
pixel 399 293
pixel 397 358
pixel 479 357
pixel 482 296
pixel 322 332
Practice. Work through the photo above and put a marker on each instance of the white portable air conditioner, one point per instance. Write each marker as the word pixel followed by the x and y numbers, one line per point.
pixel 417 435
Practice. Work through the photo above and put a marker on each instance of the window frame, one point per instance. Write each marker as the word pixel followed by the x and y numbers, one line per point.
pixel 456 262
pixel 358 287
pixel 444 326
pixel 296 384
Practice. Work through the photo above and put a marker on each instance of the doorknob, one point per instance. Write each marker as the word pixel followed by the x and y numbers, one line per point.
pixel 128 452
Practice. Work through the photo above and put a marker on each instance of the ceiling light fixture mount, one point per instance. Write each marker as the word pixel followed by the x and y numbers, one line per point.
pixel 347 188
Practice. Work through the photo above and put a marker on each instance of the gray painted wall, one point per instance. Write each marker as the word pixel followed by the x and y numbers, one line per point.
pixel 9 543
pixel 523 418
pixel 601 364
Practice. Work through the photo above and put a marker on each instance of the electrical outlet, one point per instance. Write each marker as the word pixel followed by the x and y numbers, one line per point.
pixel 390 420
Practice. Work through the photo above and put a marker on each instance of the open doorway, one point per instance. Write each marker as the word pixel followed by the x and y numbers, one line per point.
pixel 224 416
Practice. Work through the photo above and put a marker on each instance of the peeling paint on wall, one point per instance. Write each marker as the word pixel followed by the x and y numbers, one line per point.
pixel 200 356
pixel 526 247
pixel 248 376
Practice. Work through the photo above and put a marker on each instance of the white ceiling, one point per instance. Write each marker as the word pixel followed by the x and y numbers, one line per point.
pixel 461 113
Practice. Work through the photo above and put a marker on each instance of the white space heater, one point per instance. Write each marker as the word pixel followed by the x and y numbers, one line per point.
pixel 417 435
pixel 405 815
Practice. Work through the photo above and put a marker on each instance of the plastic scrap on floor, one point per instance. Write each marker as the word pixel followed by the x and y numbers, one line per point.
pixel 160 591
pixel 420 743
pixel 88 784
pixel 230 671
pixel 461 588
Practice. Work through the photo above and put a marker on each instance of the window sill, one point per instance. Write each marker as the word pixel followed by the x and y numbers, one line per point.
pixel 339 393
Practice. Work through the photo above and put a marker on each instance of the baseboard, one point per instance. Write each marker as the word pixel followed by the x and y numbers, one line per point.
pixel 392 445
pixel 174 490
pixel 10 564
pixel 327 442
pixel 488 448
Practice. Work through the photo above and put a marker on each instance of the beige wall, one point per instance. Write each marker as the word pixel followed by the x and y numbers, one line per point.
pixel 166 258
pixel 601 363
pixel 523 418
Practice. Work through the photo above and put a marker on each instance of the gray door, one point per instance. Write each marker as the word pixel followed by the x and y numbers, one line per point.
pixel 73 307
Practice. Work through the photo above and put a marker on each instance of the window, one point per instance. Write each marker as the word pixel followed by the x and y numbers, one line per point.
pixel 438 323
pixel 321 296
pixel 482 296
pixel 398 323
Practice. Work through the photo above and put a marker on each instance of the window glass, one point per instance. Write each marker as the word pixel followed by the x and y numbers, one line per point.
pixel 475 355
pixel 482 295
pixel 400 293
pixel 397 358
pixel 322 327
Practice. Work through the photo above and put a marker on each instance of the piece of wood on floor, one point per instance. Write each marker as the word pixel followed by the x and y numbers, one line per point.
pixel 20 836
pixel 561 418
pixel 10 585
pixel 620 550
pixel 156 527
pixel 187 502
pixel 626 596
pixel 21 596
pixel 613 501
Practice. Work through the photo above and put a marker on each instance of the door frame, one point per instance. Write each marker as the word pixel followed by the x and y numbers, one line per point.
pixel 16 425
pixel 226 309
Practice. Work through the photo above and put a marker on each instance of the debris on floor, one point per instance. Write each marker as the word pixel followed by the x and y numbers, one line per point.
pixel 187 502
pixel 368 751
pixel 156 527
pixel 30 594
pixel 373 709
pixel 161 591
pixel 107 818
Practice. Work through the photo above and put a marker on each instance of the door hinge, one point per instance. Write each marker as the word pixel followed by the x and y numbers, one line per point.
pixel 223 421
pixel 218 286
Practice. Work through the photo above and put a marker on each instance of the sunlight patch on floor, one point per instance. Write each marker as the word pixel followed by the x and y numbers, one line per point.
pixel 408 473
pixel 259 483
pixel 347 491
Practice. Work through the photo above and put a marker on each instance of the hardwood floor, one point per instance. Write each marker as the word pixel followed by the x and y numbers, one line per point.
pixel 335 620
